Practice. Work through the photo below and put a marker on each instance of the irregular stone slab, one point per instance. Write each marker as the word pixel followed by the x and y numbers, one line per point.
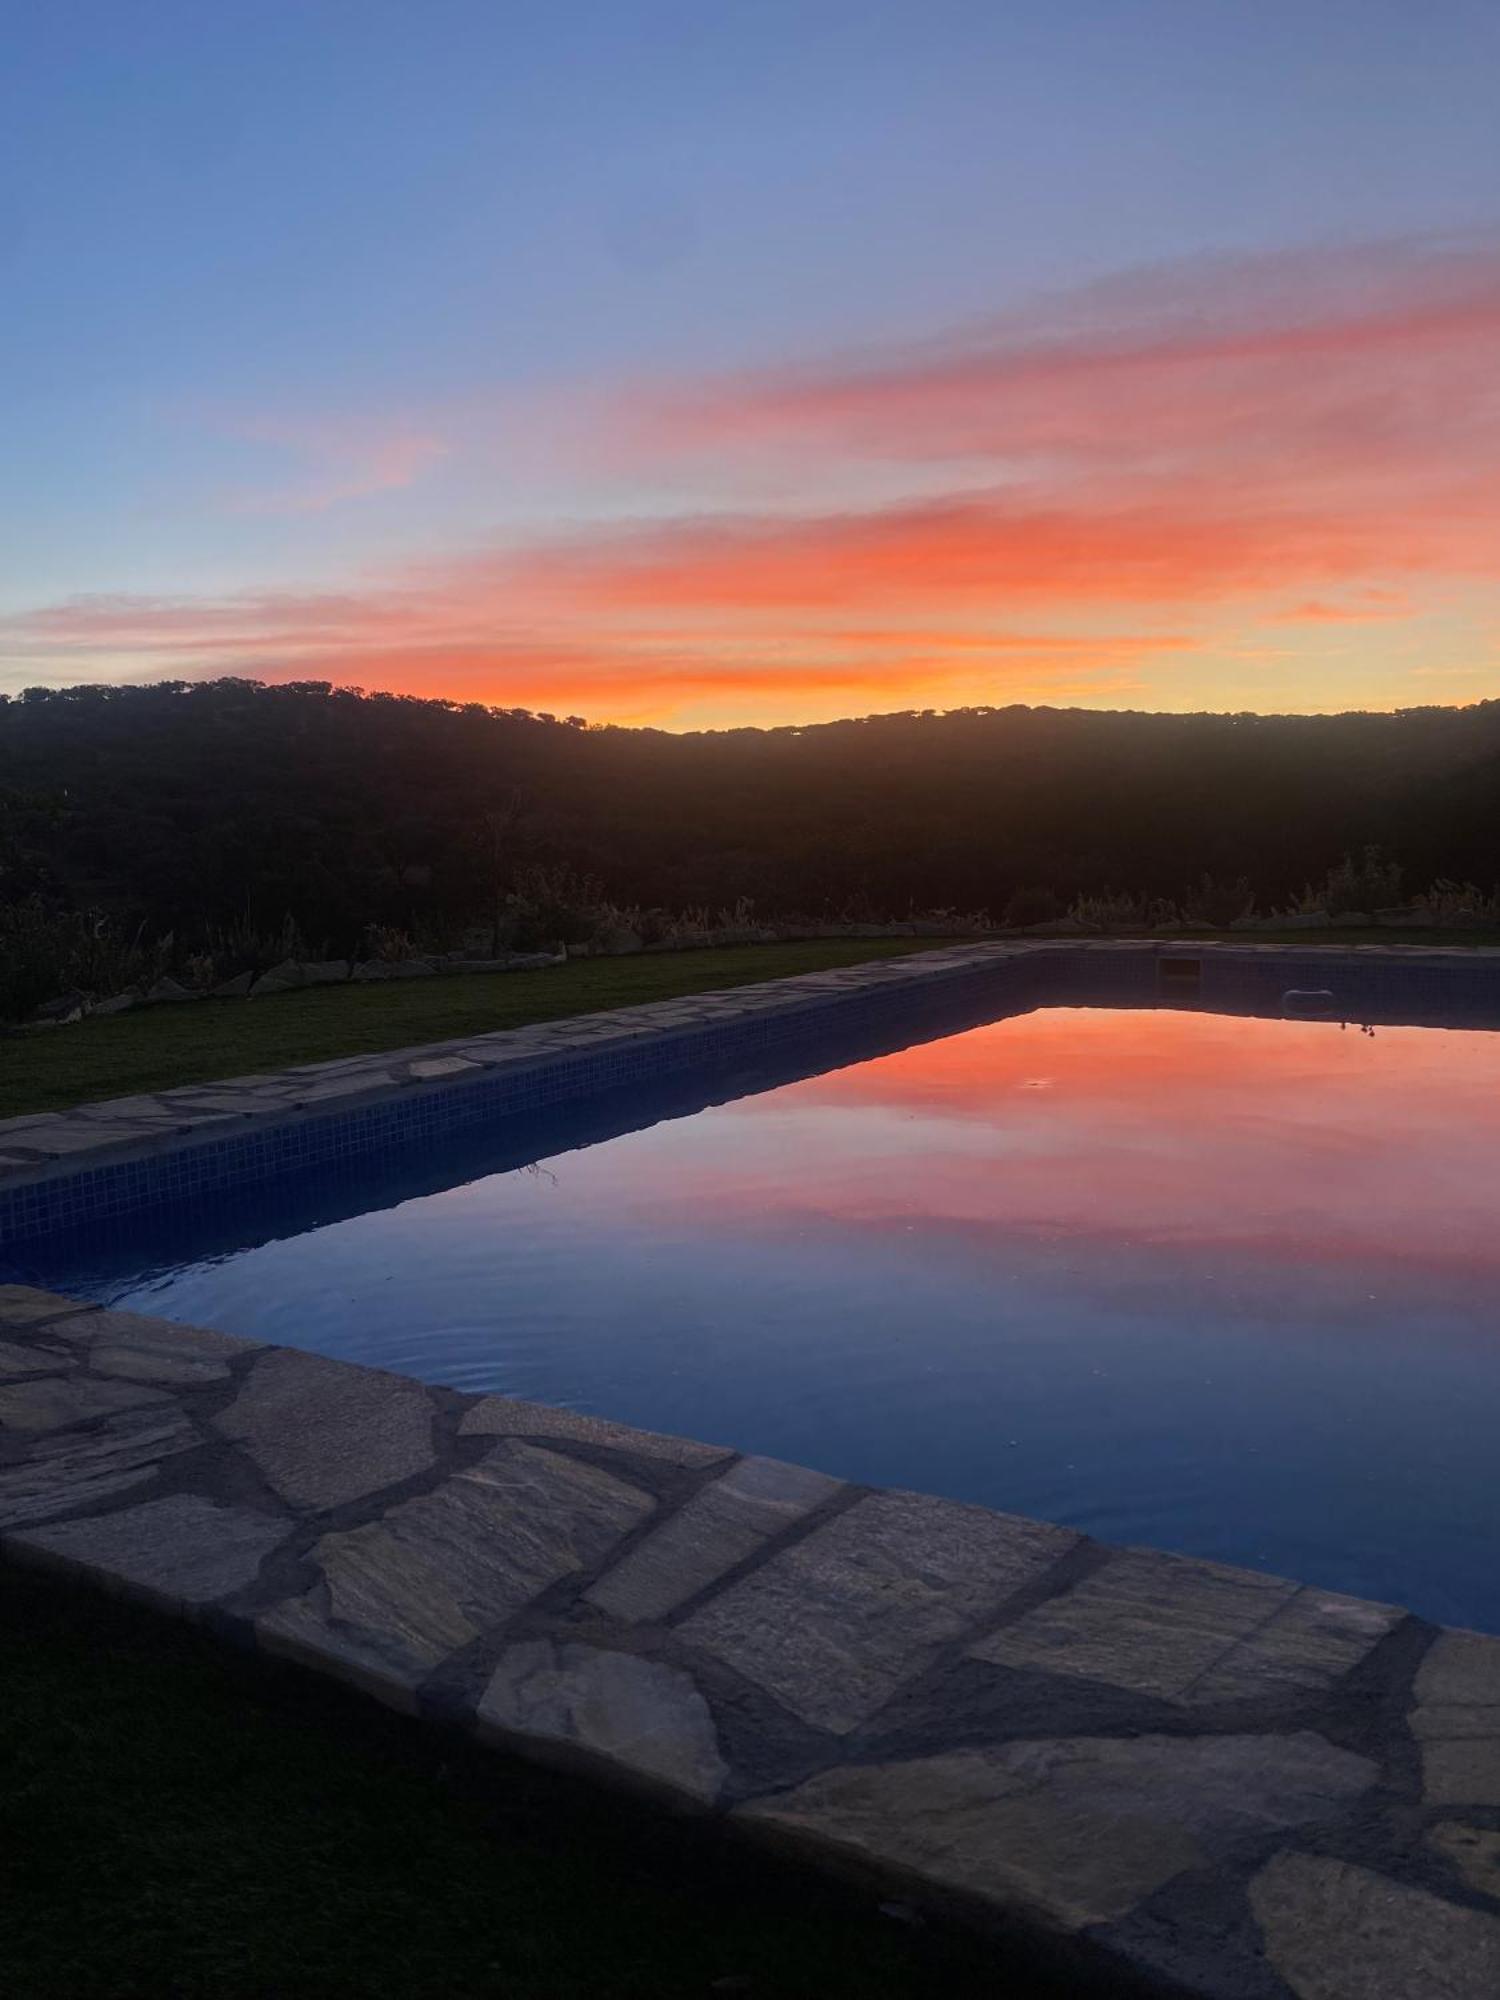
pixel 323 1433
pixel 1192 1631
pixel 179 1553
pixel 401 1594
pixel 508 1416
pixel 1310 1643
pixel 1473 1850
pixel 834 1625
pixel 717 1529
pixel 427 1067
pixel 1456 1719
pixel 74 1469
pixel 1072 1831
pixel 639 1717
pixel 16 1362
pixel 24 1305
pixel 54 1402
pixel 141 1349
pixel 1336 1932
pixel 60 1136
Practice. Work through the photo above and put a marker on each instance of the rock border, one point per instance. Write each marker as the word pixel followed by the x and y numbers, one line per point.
pixel 1154 1770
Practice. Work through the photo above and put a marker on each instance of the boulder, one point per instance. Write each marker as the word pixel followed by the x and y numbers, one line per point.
pixel 324 972
pixel 118 1003
pixel 281 978
pixel 69 1006
pixel 167 991
pixel 233 989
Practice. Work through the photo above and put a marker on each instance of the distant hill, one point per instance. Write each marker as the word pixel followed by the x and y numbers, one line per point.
pixel 187 805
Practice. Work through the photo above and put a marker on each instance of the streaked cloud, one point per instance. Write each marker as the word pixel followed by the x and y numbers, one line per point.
pixel 1116 476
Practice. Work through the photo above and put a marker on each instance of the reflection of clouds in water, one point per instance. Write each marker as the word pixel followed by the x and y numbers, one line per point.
pixel 1195 1136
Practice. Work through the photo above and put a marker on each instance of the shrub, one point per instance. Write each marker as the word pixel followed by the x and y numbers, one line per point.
pixel 1370 883
pixel 1217 903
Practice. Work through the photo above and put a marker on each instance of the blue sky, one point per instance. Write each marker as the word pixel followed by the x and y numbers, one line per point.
pixel 311 298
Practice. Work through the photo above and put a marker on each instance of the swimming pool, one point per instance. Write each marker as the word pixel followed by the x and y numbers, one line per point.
pixel 1216 1284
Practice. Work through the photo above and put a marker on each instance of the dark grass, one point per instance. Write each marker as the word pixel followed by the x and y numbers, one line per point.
pixel 157 1047
pixel 181 1819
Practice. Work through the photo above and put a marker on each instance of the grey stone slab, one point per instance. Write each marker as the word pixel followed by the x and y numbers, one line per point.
pixel 75 1469
pixel 1473 1852
pixel 639 1719
pixel 181 1552
pixel 400 1594
pixel 60 1137
pixel 717 1529
pixel 17 1362
pixel 142 1349
pixel 1460 1669
pixel 344 1086
pixel 834 1625
pixel 1072 1831
pixel 426 1068
pixel 508 1416
pixel 1456 1720
pixel 1305 1647
pixel 24 1305
pixel 1155 1624
pixel 1337 1932
pixel 56 1402
pixel 145 1110
pixel 324 1433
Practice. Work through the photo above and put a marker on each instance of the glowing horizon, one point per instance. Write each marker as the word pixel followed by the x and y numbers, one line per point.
pixel 1241 454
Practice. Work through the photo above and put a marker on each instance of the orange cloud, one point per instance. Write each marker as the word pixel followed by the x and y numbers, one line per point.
pixel 1284 442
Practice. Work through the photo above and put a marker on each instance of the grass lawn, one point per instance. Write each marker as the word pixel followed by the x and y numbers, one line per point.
pixel 157 1047
pixel 161 1046
pixel 179 1819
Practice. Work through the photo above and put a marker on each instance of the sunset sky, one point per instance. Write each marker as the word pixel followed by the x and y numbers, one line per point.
pixel 702 364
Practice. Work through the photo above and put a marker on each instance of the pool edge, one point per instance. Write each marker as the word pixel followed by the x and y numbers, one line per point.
pixel 1142 1763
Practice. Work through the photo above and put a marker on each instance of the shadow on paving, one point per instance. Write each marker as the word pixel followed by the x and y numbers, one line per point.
pixel 177 1819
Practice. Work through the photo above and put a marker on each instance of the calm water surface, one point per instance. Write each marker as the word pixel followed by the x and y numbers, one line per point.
pixel 1221 1285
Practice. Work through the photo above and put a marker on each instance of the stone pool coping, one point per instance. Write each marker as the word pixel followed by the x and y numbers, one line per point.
pixel 80 1166
pixel 1162 1774
pixel 1171 1775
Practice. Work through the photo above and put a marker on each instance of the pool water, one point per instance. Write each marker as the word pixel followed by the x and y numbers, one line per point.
pixel 1229 1286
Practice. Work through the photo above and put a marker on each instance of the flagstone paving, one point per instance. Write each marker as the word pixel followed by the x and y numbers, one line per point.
pixel 1207 1781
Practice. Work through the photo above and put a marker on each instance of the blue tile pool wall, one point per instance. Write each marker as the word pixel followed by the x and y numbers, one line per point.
pixel 821 1031
pixel 67 1203
pixel 230 1216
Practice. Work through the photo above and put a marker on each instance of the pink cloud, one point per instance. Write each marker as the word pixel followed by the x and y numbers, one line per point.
pixel 332 459
pixel 1308 441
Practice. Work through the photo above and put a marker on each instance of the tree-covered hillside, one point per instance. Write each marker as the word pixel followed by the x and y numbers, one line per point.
pixel 189 807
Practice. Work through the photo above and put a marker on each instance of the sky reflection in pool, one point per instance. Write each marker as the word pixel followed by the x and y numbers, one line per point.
pixel 1214 1284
